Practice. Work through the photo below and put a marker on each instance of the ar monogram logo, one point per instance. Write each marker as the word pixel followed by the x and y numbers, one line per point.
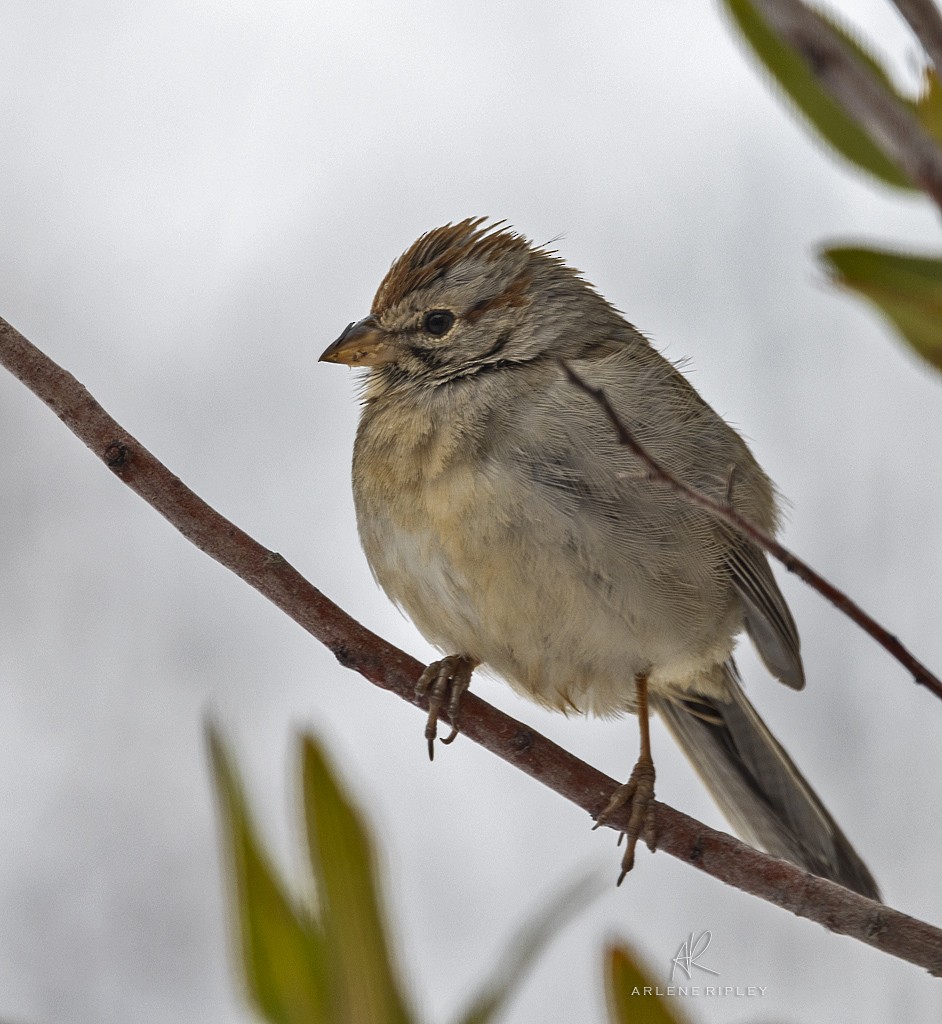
pixel 688 956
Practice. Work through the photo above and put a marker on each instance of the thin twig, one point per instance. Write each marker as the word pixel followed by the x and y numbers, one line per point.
pixel 891 126
pixel 355 647
pixel 926 22
pixel 792 562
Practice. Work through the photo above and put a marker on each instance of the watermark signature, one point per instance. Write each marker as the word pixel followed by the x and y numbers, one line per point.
pixel 688 956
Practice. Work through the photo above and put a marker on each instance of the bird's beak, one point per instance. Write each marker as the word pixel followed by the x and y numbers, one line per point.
pixel 363 343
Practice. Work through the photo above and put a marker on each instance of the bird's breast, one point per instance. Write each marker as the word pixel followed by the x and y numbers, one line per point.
pixel 492 566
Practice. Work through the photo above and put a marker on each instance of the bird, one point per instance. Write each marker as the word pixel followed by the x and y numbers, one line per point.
pixel 497 507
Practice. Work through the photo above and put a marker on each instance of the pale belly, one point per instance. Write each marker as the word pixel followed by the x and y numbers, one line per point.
pixel 515 596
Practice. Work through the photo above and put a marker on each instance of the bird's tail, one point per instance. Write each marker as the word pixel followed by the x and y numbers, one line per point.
pixel 758 787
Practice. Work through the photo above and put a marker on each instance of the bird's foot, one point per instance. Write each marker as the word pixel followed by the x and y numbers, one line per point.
pixel 639 792
pixel 444 682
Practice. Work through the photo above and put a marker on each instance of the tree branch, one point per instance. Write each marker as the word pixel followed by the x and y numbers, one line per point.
pixel 792 562
pixel 890 125
pixel 716 853
pixel 926 22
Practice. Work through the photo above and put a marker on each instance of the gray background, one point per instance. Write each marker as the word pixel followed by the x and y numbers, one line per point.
pixel 196 198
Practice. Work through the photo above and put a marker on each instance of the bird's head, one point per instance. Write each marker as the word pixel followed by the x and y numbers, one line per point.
pixel 468 298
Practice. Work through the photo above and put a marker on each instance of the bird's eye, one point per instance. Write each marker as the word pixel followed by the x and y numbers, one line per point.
pixel 438 322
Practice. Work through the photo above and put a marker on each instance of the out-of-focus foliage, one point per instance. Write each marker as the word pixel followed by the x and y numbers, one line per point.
pixel 906 289
pixel 324 957
pixel 357 963
pixel 282 943
pixel 929 105
pixel 625 984
pixel 524 950
pixel 801 85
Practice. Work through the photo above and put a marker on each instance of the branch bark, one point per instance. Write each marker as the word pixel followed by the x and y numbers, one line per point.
pixel 356 647
pixel 926 22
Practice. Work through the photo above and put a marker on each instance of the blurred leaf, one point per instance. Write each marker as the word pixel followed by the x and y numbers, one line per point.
pixel 827 116
pixel 342 861
pixel 625 984
pixel 283 951
pixel 335 967
pixel 524 949
pixel 929 105
pixel 906 289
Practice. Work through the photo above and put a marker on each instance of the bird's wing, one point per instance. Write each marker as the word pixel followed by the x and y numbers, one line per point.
pixel 769 623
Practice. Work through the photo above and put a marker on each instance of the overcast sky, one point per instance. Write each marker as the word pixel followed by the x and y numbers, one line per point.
pixel 196 198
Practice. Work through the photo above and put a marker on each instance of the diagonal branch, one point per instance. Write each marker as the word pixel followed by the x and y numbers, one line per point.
pixel 722 510
pixel 354 646
pixel 891 126
pixel 926 22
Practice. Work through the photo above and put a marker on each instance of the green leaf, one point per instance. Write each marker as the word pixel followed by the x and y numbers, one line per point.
pixel 283 950
pixel 906 289
pixel 625 985
pixel 524 950
pixel 342 861
pixel 929 105
pixel 824 114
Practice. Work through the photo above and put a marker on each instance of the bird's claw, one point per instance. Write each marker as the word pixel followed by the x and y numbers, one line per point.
pixel 639 792
pixel 444 683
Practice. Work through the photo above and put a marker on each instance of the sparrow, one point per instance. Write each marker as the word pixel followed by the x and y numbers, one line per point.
pixel 498 509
